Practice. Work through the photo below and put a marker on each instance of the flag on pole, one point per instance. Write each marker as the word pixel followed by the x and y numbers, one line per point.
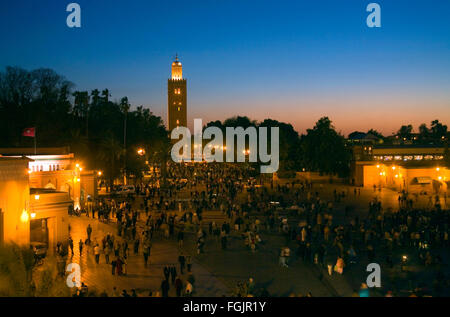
pixel 30 132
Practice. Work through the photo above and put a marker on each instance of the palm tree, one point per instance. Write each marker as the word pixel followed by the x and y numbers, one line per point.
pixel 105 95
pixel 110 152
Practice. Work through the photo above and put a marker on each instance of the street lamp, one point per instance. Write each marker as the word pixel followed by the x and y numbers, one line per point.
pixel 24 216
pixel 403 264
pixel 141 152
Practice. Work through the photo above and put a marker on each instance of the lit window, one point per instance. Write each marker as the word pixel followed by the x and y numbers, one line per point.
pixel 398 157
pixel 418 157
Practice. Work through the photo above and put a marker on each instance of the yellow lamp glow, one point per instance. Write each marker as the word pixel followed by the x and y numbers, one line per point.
pixel 393 167
pixel 33 215
pixel 24 216
pixel 437 169
pixel 36 197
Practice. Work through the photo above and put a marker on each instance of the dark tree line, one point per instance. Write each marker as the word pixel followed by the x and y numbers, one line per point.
pixel 436 134
pixel 89 122
pixel 321 149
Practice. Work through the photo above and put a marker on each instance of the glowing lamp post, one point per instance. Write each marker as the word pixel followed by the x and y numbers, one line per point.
pixel 141 152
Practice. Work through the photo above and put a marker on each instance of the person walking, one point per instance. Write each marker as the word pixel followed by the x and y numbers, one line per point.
pixel 189 263
pixel 146 253
pixel 97 253
pixel 136 246
pixel 182 261
pixel 165 288
pixel 113 267
pixel 180 239
pixel 166 272
pixel 107 253
pixel 178 286
pixel 189 289
pixel 80 246
pixel 89 232
pixel 71 245
pixel 173 273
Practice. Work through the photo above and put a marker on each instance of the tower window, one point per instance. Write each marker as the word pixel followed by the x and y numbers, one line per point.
pixel 177 91
pixel 178 121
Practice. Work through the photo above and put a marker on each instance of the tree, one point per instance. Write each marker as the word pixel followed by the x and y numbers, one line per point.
pixel 324 150
pixel 438 130
pixel 424 133
pixel 405 132
pixel 376 133
pixel 110 153
pixel 289 144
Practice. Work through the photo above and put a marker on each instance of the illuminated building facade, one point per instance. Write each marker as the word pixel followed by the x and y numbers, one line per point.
pixel 36 192
pixel 57 169
pixel 26 214
pixel 410 168
pixel 177 97
pixel 14 200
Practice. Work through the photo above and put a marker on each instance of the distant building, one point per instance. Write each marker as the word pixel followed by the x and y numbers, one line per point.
pixel 407 167
pixel 363 138
pixel 177 97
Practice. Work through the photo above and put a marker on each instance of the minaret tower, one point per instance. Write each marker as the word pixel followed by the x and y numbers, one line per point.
pixel 177 97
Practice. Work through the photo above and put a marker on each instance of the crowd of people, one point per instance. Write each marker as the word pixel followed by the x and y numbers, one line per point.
pixel 318 233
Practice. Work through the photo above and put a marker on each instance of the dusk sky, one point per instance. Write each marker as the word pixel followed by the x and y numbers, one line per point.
pixel 293 61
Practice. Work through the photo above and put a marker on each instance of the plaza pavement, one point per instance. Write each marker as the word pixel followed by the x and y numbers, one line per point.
pixel 219 271
pixel 99 277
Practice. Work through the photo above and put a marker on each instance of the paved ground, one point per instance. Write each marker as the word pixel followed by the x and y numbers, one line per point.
pixel 142 279
pixel 217 272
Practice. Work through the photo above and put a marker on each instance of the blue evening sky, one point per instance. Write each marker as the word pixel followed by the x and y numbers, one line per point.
pixel 294 61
